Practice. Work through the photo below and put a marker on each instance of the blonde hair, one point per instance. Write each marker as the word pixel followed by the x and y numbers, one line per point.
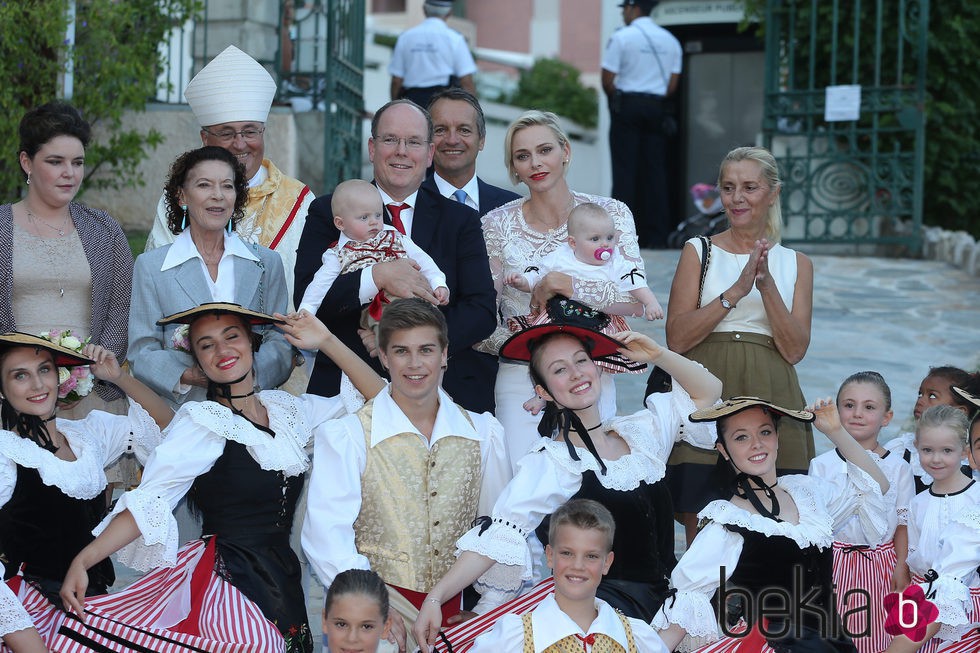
pixel 578 217
pixel 946 416
pixel 527 119
pixel 347 190
pixel 770 172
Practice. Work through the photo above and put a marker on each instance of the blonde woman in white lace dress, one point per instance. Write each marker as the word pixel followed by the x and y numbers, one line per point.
pixel 519 234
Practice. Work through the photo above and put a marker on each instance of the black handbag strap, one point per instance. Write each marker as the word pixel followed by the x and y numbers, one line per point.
pixel 705 258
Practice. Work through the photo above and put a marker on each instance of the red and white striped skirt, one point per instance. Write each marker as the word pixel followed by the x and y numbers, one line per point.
pixel 868 569
pixel 461 636
pixel 46 617
pixel 152 614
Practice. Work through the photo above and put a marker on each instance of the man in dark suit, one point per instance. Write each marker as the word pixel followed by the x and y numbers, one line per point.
pixel 459 133
pixel 401 150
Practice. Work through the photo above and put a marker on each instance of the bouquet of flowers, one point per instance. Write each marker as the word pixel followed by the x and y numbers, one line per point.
pixel 706 198
pixel 74 382
pixel 180 340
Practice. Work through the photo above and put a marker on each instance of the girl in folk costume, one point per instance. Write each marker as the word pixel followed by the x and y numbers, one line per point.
pixel 772 536
pixel 619 462
pixel 936 389
pixel 942 440
pixel 52 479
pixel 874 566
pixel 241 456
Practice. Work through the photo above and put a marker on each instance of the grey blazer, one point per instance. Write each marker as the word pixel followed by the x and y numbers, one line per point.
pixel 260 286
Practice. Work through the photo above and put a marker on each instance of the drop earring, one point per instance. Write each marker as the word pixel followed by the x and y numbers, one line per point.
pixel 183 223
pixel 229 227
pixel 28 179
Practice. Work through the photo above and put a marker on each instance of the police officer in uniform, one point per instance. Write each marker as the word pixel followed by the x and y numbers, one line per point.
pixel 640 69
pixel 431 57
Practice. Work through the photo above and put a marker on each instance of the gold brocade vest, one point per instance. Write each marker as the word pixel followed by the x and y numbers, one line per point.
pixel 270 205
pixel 416 501
pixel 574 644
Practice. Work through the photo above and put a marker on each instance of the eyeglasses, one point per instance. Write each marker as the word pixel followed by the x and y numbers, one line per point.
pixel 392 142
pixel 226 136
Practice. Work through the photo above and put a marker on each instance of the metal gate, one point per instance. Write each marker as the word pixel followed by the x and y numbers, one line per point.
pixel 856 181
pixel 328 67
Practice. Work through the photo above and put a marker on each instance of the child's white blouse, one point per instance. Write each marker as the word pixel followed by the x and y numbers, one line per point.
pixel 832 466
pixel 929 519
pixel 957 568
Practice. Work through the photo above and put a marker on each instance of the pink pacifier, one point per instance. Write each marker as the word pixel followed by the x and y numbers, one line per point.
pixel 603 254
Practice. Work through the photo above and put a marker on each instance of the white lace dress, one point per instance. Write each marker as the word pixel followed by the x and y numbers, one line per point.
pixel 513 246
pixel 717 551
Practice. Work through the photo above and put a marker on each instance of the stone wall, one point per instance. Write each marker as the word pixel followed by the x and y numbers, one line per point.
pixel 954 247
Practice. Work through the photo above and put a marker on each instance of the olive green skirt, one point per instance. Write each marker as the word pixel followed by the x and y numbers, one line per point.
pixel 747 364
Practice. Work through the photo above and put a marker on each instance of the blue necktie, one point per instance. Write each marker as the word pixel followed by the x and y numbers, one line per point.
pixel 460 196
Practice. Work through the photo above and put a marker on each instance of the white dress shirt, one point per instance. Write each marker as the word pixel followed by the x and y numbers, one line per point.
pixel 472 189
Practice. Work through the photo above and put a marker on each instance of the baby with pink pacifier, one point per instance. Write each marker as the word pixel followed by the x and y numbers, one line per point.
pixel 591 253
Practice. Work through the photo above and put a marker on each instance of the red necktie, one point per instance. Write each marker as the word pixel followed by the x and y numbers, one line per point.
pixel 588 640
pixel 396 221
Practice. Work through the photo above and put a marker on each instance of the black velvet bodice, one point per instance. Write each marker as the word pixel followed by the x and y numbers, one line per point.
pixel 644 541
pixel 237 497
pixel 43 528
pixel 782 578
pixel 250 512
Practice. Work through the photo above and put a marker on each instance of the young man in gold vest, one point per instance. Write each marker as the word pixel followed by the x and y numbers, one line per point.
pixel 396 484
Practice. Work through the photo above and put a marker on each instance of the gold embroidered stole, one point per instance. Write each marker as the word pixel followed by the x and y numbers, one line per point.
pixel 416 501
pixel 269 206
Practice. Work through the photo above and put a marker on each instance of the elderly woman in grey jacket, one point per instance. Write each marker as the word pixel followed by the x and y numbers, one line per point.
pixel 207 262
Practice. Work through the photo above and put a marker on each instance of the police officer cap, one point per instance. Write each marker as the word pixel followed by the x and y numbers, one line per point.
pixel 642 4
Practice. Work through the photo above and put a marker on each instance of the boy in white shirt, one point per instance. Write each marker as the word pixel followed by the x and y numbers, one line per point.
pixel 580 553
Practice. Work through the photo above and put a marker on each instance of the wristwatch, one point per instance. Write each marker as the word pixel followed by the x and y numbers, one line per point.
pixel 727 305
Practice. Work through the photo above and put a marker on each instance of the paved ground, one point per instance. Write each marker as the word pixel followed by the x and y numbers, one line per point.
pixel 894 316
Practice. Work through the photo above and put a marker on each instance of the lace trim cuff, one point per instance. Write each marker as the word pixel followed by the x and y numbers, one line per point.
pixel 145 432
pixel 903 516
pixel 13 616
pixel 505 543
pixel 158 541
pixel 691 611
pixel 698 434
pixel 953 600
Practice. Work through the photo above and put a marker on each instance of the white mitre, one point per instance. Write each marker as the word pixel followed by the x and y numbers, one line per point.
pixel 234 87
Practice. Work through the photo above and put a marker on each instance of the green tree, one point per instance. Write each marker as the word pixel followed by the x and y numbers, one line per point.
pixel 116 66
pixel 553 85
